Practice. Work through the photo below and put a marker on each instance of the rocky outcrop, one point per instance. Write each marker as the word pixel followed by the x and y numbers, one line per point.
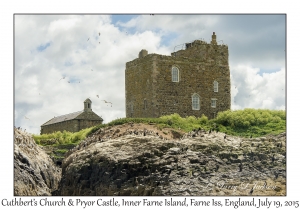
pixel 34 172
pixel 131 161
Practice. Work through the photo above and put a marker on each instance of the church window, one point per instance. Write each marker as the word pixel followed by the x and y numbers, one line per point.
pixel 175 74
pixel 195 102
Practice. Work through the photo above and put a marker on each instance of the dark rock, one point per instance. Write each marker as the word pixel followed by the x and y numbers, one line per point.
pixel 35 174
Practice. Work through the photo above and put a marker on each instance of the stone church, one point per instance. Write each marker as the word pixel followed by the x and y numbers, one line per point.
pixel 192 81
pixel 73 122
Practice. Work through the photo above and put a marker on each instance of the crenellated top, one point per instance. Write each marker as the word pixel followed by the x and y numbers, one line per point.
pixel 196 51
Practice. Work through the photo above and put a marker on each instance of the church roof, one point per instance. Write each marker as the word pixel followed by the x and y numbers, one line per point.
pixel 62 118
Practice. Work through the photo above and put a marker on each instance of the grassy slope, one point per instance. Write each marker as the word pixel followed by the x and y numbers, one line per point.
pixel 255 122
pixel 247 122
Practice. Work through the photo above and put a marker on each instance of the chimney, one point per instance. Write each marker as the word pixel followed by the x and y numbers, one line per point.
pixel 143 53
pixel 214 38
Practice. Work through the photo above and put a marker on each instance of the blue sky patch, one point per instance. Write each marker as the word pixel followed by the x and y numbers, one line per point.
pixel 168 38
pixel 122 18
pixel 267 71
pixel 43 47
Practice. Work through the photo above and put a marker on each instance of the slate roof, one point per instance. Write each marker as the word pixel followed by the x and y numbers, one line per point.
pixel 62 118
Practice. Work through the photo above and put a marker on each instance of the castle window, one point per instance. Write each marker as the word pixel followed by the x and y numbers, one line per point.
pixel 216 86
pixel 131 108
pixel 213 102
pixel 195 102
pixel 175 74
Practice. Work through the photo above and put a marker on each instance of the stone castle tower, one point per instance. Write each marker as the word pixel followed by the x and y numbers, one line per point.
pixel 190 82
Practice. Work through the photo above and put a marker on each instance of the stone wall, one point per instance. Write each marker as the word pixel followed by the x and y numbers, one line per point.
pixel 70 125
pixel 150 91
pixel 85 120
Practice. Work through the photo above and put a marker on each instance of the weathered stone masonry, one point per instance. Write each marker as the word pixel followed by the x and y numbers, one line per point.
pixel 73 122
pixel 150 91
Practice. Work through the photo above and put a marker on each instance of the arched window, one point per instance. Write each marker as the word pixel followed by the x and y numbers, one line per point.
pixel 175 74
pixel 216 86
pixel 195 102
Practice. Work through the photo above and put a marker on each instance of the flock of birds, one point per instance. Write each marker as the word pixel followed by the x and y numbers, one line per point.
pixel 64 77
pixel 91 70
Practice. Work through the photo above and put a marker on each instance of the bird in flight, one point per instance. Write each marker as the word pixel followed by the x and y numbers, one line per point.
pixel 107 102
pixel 97 96
pixel 26 118
pixel 62 78
pixel 88 39
pixel 99 33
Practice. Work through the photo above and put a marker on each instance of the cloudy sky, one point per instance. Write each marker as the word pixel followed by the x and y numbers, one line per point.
pixel 60 60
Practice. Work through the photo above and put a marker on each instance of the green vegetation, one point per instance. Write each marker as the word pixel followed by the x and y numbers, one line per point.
pixel 61 151
pixel 169 121
pixel 255 122
pixel 59 138
pixel 247 122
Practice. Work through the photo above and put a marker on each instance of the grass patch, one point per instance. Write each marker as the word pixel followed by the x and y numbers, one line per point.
pixel 251 122
pixel 62 138
pixel 247 122
pixel 61 151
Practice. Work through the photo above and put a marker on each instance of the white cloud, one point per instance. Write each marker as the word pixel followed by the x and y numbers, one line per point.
pixel 99 69
pixel 252 90
pixel 91 68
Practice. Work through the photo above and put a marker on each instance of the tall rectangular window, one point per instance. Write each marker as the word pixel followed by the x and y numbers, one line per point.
pixel 213 102
pixel 216 86
pixel 131 110
pixel 175 74
pixel 195 102
pixel 145 104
